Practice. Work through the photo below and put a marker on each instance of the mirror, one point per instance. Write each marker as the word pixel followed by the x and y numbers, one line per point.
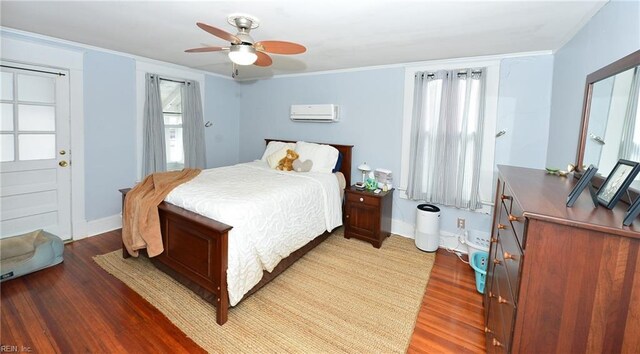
pixel 611 116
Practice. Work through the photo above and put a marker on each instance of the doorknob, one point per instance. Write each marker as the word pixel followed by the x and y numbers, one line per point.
pixel 63 163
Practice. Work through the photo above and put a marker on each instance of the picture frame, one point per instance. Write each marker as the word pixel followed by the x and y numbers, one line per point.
pixel 617 182
pixel 584 182
pixel 632 213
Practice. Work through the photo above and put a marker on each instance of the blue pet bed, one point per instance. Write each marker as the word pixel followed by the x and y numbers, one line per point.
pixel 24 254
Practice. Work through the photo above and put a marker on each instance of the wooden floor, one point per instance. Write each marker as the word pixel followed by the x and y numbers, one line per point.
pixel 451 319
pixel 78 307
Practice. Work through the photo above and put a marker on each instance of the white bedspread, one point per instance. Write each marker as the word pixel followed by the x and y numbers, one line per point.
pixel 273 213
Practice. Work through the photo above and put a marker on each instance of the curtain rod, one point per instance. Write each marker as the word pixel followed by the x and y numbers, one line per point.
pixel 176 81
pixel 433 74
pixel 34 70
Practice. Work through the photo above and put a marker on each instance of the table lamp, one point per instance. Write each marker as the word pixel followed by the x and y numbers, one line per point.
pixel 365 169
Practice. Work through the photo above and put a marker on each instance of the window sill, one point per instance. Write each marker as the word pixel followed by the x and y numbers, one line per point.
pixel 487 207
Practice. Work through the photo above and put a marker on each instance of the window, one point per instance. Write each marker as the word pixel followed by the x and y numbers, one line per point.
pixel 171 95
pixel 630 146
pixel 466 93
pixel 28 112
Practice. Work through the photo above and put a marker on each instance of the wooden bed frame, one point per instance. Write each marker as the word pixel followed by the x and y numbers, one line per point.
pixel 195 248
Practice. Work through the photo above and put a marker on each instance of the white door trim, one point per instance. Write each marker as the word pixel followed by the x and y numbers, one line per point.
pixel 27 52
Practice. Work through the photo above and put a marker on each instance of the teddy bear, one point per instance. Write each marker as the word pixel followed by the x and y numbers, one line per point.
pixel 286 163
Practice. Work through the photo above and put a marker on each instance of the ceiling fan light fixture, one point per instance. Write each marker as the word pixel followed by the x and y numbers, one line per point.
pixel 242 54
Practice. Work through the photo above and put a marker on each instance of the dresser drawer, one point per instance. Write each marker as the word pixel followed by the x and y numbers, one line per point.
pixel 518 223
pixel 505 196
pixel 496 341
pixel 510 257
pixel 363 199
pixel 505 307
pixel 514 213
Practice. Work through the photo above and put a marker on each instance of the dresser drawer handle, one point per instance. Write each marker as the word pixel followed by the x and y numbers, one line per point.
pixel 487 330
pixel 502 226
pixel 513 218
pixel 496 343
pixel 494 239
pixel 502 300
pixel 492 295
pixel 508 255
pixel 496 261
pixel 505 197
pixel 362 199
pixel 347 216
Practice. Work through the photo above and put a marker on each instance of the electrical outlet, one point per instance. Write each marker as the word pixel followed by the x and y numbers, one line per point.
pixel 461 223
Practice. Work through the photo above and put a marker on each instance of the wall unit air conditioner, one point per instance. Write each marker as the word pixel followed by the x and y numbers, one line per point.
pixel 314 113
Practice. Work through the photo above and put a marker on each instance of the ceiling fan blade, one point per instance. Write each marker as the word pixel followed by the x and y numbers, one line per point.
pixel 219 33
pixel 263 59
pixel 281 47
pixel 205 49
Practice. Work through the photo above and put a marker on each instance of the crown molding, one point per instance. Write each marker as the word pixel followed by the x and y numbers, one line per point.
pixel 64 42
pixel 419 63
pixel 39 38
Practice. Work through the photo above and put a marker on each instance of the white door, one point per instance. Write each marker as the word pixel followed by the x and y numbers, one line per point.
pixel 35 178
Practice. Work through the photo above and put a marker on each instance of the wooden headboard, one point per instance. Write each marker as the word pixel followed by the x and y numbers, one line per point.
pixel 345 150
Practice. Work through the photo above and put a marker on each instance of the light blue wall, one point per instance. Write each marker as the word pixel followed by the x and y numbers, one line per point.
pixel 110 131
pixel 610 35
pixel 523 111
pixel 222 108
pixel 371 104
pixel 370 113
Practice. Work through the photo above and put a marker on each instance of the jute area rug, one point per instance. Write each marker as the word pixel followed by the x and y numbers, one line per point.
pixel 344 296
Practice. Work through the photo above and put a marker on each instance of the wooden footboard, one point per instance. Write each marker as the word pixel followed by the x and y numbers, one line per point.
pixel 195 253
pixel 197 249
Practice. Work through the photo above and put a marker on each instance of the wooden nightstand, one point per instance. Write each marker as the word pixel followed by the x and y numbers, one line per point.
pixel 367 215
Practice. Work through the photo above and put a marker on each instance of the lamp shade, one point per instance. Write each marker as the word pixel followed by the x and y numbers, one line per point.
pixel 242 54
pixel 364 167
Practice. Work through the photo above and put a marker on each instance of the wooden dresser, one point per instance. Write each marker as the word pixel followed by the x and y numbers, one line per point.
pixel 560 280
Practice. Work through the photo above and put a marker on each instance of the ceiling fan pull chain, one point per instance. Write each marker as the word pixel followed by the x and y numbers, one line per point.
pixel 234 70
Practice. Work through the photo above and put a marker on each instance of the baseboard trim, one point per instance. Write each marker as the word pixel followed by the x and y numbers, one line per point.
pixel 448 240
pixel 402 228
pixel 398 227
pixel 99 226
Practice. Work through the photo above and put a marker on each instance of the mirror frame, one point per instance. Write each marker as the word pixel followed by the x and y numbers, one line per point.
pixel 630 61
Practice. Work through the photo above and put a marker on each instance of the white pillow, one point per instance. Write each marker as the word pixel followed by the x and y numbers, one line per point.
pixel 274 159
pixel 324 157
pixel 274 146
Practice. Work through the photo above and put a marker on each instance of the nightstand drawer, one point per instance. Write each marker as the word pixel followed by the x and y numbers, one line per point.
pixel 364 199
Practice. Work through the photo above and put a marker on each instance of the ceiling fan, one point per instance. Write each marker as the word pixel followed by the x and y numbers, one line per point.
pixel 244 50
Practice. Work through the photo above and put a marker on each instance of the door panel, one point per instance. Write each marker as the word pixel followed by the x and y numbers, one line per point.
pixel 35 185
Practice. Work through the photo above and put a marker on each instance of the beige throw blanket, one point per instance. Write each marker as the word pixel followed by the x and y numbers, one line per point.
pixel 140 220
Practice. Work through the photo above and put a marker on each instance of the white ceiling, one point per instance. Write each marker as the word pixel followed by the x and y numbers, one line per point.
pixel 337 34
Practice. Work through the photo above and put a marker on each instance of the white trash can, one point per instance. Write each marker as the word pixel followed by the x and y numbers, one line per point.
pixel 428 227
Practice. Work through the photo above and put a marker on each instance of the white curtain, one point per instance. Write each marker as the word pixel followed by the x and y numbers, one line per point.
pixel 630 143
pixel 193 127
pixel 446 137
pixel 153 151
